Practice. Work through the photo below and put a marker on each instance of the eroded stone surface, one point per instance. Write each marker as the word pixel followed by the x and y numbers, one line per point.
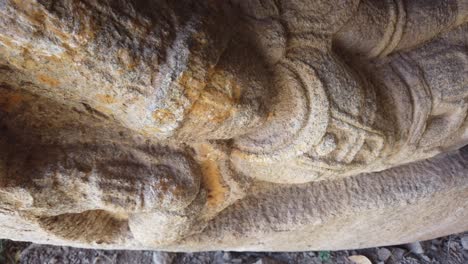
pixel 207 125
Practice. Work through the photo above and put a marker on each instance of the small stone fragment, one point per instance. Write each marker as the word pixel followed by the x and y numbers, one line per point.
pixel 383 254
pixel 454 246
pixel 218 257
pixel 267 260
pixel 425 258
pixel 464 242
pixel 360 259
pixel 162 257
pixel 226 256
pixel 415 247
pixel 398 253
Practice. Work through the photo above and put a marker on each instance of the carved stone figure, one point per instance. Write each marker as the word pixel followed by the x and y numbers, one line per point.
pixel 241 125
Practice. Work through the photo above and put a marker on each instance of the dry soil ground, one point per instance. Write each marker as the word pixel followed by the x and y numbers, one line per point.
pixel 445 250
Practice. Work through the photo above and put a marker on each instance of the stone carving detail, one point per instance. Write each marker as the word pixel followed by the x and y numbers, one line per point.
pixel 130 124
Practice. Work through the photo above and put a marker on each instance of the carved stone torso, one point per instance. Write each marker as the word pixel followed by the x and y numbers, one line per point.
pixel 186 125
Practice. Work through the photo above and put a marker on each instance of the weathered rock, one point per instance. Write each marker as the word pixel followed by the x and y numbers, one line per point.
pixel 242 125
pixel 464 242
pixel 162 258
pixel 383 254
pixel 359 259
pixel 415 248
pixel 266 260
pixel 397 254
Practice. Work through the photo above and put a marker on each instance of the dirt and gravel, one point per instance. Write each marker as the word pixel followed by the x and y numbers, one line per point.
pixel 446 250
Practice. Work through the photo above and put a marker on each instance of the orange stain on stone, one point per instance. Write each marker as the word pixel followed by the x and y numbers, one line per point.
pixel 212 182
pixel 104 110
pixel 162 115
pixel 192 86
pixel 10 100
pixel 214 107
pixel 31 11
pixel 6 42
pixel 48 80
pixel 211 177
pixel 214 101
pixel 126 59
pixel 105 98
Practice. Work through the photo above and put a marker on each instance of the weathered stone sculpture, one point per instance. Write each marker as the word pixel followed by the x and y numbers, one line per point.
pixel 245 125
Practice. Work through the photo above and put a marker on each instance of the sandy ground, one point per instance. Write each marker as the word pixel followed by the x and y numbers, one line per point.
pixel 445 250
